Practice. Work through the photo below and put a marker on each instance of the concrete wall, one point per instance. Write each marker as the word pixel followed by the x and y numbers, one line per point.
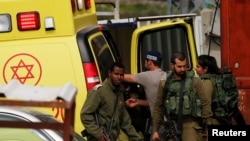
pixel 211 34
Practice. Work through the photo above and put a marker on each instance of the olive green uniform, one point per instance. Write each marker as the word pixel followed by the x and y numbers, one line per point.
pixel 103 100
pixel 191 130
pixel 206 103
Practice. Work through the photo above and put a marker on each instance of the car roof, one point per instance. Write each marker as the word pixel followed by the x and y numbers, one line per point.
pixel 21 112
pixel 30 115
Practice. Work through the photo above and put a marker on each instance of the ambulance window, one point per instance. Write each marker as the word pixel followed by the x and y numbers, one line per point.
pixel 166 41
pixel 103 55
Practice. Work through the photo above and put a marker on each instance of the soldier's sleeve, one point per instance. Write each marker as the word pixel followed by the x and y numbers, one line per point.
pixel 87 114
pixel 206 100
pixel 127 126
pixel 197 86
pixel 158 111
pixel 204 92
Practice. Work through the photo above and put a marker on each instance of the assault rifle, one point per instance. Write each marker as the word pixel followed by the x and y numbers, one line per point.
pixel 105 131
pixel 175 130
pixel 168 129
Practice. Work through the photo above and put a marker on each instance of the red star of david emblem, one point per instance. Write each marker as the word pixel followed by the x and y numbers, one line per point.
pixel 22 67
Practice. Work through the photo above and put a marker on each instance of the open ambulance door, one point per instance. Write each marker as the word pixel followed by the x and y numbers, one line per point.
pixel 168 36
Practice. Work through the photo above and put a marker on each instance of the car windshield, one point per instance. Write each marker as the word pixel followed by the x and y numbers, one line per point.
pixel 7 133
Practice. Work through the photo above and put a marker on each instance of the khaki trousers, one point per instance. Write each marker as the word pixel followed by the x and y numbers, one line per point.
pixel 191 131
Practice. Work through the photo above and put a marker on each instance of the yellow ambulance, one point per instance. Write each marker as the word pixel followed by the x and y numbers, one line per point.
pixel 52 42
pixel 166 34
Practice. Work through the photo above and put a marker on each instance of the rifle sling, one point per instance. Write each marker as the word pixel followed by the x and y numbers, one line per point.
pixel 180 115
pixel 112 119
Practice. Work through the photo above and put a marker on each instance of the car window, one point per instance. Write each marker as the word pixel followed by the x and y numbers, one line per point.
pixel 97 51
pixel 166 41
pixel 103 54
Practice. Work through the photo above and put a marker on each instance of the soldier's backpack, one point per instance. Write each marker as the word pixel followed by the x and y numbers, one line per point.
pixel 225 95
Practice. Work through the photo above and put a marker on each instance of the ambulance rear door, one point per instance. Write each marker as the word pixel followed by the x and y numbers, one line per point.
pixel 165 34
pixel 97 51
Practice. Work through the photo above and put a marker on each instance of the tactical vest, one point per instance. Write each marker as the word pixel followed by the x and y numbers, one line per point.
pixel 191 104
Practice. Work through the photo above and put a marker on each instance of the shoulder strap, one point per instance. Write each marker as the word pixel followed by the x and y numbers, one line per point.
pixel 180 115
pixel 164 93
pixel 190 73
pixel 205 76
pixel 111 122
pixel 97 86
pixel 166 86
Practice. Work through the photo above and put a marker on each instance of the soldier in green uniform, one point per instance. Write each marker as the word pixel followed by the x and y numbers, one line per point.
pixel 168 103
pixel 104 113
pixel 216 82
pixel 207 65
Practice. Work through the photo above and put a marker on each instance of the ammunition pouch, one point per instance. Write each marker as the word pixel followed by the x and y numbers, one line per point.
pixel 191 106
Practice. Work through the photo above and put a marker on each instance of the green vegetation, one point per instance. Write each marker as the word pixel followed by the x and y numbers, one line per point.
pixel 142 9
pixel 136 9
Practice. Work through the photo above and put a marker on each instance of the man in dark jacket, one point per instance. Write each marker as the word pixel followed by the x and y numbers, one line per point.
pixel 103 113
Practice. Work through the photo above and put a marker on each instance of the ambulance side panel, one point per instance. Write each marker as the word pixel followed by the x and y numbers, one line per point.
pixel 42 62
pixel 52 42
pixel 56 61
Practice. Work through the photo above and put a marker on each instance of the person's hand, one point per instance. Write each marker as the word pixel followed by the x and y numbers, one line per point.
pixel 156 137
pixel 131 102
pixel 103 137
